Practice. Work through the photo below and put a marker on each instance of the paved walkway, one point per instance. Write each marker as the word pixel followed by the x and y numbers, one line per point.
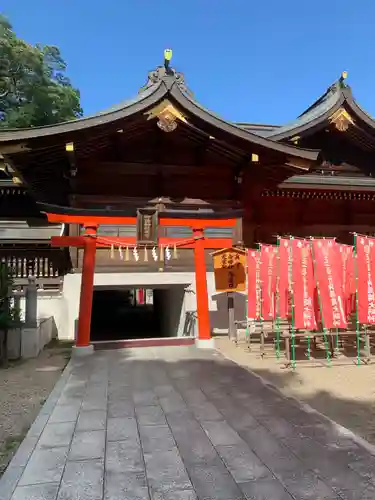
pixel 180 424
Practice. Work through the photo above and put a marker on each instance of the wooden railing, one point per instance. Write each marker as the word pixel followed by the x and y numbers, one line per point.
pixel 22 267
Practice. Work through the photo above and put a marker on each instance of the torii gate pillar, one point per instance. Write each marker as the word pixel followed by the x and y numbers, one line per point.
pixel 204 339
pixel 83 345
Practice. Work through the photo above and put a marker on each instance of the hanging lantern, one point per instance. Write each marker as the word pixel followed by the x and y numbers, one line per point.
pixel 161 257
pixel 145 258
pixel 127 256
pixel 175 255
pixel 112 252
pixel 120 253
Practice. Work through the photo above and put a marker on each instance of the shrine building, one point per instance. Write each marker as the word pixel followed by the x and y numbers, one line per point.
pixel 117 215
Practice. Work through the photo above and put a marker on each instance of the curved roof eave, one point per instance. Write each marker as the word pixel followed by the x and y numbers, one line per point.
pixel 165 87
pixel 311 118
pixel 357 110
pixel 315 116
pixel 195 109
pixel 264 130
pixel 144 100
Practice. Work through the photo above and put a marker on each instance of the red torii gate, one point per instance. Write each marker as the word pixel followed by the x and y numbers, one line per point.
pixel 89 242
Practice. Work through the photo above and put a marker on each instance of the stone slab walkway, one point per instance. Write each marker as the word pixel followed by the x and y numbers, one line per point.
pixel 176 423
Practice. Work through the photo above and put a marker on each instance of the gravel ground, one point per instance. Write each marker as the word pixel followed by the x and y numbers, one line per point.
pixel 24 387
pixel 344 392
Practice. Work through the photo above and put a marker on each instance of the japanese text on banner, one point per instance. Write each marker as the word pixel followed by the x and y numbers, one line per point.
pixel 366 274
pixel 284 273
pixel 254 286
pixel 348 278
pixel 268 267
pixel 328 275
pixel 303 285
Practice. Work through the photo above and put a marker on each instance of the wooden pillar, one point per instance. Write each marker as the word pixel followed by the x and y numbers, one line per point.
pixel 204 330
pixel 232 330
pixel 87 288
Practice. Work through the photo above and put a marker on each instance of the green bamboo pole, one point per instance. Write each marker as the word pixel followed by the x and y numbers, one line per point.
pixel 358 331
pixel 290 273
pixel 326 345
pixel 308 346
pixel 278 329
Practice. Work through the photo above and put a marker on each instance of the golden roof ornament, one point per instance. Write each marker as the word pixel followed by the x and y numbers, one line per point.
pixel 343 77
pixel 167 115
pixel 166 72
pixel 341 119
pixel 167 59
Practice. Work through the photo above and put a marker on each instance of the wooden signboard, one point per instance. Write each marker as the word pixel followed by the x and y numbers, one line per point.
pixel 230 270
pixel 147 226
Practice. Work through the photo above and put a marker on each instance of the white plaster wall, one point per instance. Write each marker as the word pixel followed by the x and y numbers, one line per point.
pixel 50 306
pixel 72 286
pixel 71 295
pixel 172 301
pixel 68 308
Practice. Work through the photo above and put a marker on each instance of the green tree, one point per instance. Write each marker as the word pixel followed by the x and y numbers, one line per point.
pixel 34 90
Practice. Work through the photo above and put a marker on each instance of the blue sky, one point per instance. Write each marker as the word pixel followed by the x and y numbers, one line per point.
pixel 247 60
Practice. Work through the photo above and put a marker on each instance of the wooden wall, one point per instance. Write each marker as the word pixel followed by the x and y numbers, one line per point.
pixel 281 215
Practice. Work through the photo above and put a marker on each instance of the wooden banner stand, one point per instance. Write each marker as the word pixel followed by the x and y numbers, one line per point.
pixel 230 277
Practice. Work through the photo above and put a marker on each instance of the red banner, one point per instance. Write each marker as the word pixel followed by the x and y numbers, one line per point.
pixel 284 270
pixel 141 296
pixel 268 267
pixel 303 285
pixel 253 285
pixel 366 275
pixel 348 277
pixel 328 275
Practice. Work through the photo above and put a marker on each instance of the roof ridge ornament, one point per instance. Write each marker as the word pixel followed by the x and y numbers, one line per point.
pixel 343 77
pixel 338 84
pixel 166 73
pixel 167 60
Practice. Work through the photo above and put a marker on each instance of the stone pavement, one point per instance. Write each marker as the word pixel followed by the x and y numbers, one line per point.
pixel 176 423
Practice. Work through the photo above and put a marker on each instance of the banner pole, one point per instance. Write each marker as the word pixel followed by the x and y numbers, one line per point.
pixel 261 303
pixel 293 313
pixel 328 354
pixel 358 332
pixel 278 329
pixel 247 300
pixel 308 345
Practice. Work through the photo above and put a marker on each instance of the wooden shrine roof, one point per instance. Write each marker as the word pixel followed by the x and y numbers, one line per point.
pixel 17 204
pixel 336 104
pixel 161 85
pixel 44 147
pixel 113 152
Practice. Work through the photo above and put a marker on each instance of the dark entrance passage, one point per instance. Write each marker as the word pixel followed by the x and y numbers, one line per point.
pixel 131 313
